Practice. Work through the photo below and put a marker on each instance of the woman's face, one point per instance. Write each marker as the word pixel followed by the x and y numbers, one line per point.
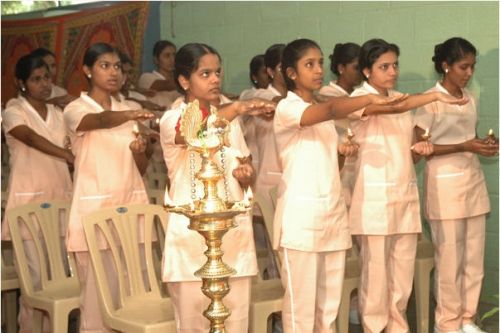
pixel 51 62
pixel 261 78
pixel 384 72
pixel 106 73
pixel 128 75
pixel 350 73
pixel 204 83
pixel 166 60
pixel 461 71
pixel 39 85
pixel 309 73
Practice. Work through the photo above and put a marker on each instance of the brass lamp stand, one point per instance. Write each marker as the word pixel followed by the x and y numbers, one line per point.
pixel 211 216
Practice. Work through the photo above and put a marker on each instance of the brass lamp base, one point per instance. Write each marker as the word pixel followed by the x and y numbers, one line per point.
pixel 214 273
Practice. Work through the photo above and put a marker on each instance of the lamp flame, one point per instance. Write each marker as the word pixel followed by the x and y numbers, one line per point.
pixel 249 194
pixel 135 130
pixel 247 197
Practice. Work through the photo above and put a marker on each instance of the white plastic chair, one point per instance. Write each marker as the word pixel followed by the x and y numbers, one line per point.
pixel 60 288
pixel 156 196
pixel 140 306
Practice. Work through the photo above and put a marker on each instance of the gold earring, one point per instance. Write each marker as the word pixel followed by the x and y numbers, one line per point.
pixel 446 70
pixel 89 76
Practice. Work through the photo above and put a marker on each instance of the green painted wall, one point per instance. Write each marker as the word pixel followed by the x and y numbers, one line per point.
pixel 239 30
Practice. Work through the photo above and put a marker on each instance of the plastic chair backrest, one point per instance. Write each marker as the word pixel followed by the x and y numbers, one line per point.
pixel 45 223
pixel 123 230
pixel 156 196
pixel 156 180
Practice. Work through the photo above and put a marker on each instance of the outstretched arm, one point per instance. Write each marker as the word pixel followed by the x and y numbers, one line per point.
pixel 340 107
pixel 110 119
pixel 414 101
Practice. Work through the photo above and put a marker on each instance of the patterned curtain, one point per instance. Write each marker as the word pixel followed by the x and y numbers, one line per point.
pixel 120 25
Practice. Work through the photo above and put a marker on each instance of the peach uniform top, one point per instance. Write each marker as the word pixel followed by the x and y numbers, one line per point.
pixel 247 94
pixel 333 89
pixel 385 195
pixel 105 171
pixel 454 183
pixel 269 174
pixel 248 127
pixel 341 125
pixel 310 213
pixel 184 247
pixel 163 98
pixel 34 176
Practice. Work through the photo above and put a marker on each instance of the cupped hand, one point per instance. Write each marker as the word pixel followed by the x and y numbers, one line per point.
pixel 138 146
pixel 482 147
pixel 423 148
pixel 348 149
pixel 243 173
pixel 388 100
pixel 257 106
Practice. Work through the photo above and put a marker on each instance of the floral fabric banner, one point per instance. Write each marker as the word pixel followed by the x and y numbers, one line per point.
pixel 120 25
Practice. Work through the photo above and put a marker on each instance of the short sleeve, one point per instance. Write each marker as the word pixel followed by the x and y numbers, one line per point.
pixel 359 114
pixel 12 117
pixel 289 112
pixel 73 115
pixel 424 116
pixel 11 102
pixel 146 80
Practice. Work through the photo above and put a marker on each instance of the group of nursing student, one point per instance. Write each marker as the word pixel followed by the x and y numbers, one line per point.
pixel 282 133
